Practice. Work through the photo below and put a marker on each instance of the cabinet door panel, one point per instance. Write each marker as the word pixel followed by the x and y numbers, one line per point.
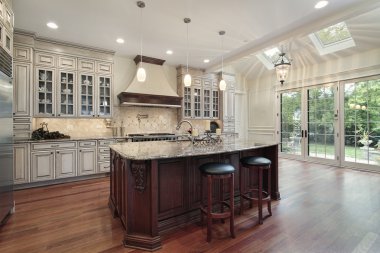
pixel 21 163
pixel 65 165
pixel 45 59
pixel 45 92
pixel 22 54
pixel 42 166
pixel 22 83
pixel 87 161
pixel 67 62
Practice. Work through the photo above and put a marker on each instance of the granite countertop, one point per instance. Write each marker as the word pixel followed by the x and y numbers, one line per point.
pixel 21 140
pixel 170 149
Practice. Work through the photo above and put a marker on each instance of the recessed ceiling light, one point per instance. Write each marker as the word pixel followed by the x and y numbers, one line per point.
pixel 321 4
pixel 52 25
pixel 120 40
pixel 206 60
pixel 169 52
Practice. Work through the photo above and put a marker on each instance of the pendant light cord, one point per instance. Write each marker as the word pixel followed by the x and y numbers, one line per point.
pixel 141 37
pixel 187 46
pixel 221 33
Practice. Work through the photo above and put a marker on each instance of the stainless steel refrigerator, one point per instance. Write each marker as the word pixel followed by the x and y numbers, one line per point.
pixel 6 137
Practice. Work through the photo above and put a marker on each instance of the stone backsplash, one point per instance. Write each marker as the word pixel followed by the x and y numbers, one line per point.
pixel 134 119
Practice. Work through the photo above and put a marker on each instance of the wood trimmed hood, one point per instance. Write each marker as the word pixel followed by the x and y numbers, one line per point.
pixel 155 91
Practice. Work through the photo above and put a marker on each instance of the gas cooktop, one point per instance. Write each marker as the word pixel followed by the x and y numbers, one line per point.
pixel 149 134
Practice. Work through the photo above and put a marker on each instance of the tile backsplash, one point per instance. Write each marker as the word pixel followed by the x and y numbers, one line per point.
pixel 134 119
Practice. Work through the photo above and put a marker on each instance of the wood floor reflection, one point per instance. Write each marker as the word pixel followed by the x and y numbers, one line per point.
pixel 322 209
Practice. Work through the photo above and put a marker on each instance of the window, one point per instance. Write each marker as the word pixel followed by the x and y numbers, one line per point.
pixel 333 38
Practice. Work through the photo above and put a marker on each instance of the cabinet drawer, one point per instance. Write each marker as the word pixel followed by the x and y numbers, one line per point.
pixel 105 143
pixel 104 150
pixel 86 65
pixel 22 54
pixel 197 81
pixel 26 127
pixel 207 82
pixel 21 135
pixel 45 59
pixel 104 67
pixel 22 120
pixel 87 144
pixel 67 62
pixel 104 157
pixel 53 145
pixel 104 167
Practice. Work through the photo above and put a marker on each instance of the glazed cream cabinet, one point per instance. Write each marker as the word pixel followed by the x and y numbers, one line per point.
pixel 22 73
pixel 87 157
pixel 50 160
pixel 21 166
pixel 229 105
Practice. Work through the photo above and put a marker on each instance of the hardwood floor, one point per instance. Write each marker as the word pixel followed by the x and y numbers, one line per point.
pixel 323 209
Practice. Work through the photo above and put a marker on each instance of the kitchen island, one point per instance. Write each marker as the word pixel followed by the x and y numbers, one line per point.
pixel 155 186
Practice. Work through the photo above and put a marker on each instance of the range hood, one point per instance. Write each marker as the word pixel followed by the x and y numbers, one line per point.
pixel 155 91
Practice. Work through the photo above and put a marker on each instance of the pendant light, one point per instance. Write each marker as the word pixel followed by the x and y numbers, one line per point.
pixel 282 66
pixel 141 74
pixel 187 79
pixel 222 83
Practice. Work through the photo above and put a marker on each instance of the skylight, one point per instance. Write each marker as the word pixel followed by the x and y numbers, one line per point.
pixel 268 57
pixel 333 38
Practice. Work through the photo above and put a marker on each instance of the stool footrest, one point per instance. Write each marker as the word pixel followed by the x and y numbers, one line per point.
pixel 245 195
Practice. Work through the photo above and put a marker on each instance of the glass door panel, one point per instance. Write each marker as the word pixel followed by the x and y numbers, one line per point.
pixel 290 131
pixel 66 94
pixel 104 96
pixel 215 104
pixel 45 92
pixel 187 102
pixel 321 122
pixel 86 96
pixel 197 102
pixel 362 122
pixel 206 103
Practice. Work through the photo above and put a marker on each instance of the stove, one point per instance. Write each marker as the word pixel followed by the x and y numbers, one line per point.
pixel 152 137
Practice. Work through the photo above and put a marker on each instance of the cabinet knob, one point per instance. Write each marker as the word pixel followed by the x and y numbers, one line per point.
pixel 58 115
pixel 93 115
pixel 57 152
pixel 51 152
pixel 14 113
pixel 52 114
pixel 80 150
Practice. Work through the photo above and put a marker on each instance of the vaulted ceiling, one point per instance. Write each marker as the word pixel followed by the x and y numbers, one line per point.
pixel 251 26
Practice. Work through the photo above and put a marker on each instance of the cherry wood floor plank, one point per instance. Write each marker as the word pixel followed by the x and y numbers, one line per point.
pixel 322 209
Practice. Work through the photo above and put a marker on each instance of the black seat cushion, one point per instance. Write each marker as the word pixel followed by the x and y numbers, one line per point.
pixel 255 161
pixel 216 168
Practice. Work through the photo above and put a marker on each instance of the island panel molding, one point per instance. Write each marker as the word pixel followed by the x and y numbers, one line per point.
pixel 171 194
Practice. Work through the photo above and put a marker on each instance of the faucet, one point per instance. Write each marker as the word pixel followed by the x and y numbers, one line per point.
pixel 191 138
pixel 184 121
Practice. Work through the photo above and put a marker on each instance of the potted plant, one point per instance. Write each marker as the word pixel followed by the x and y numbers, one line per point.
pixel 364 137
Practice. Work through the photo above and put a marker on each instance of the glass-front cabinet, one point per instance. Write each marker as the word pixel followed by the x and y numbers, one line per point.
pixel 45 92
pixel 104 96
pixel 66 94
pixel 215 104
pixel 86 95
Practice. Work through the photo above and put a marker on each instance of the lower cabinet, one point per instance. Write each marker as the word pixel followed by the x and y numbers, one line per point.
pixel 65 163
pixel 42 165
pixel 87 161
pixel 21 163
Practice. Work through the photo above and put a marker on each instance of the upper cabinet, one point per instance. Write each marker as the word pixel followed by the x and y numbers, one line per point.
pixel 6 27
pixel 200 100
pixel 68 86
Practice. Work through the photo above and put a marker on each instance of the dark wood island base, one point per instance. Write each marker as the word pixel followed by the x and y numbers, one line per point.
pixel 155 196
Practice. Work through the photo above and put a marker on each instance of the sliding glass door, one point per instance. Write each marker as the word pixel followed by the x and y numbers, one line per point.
pixel 308 122
pixel 361 128
pixel 333 123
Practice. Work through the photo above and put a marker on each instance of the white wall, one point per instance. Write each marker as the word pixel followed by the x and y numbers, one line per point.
pixel 262 102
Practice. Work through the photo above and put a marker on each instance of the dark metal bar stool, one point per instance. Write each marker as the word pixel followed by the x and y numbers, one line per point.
pixel 259 164
pixel 218 171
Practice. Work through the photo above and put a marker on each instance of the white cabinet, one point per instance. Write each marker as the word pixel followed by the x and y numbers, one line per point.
pixel 103 96
pixel 45 92
pixel 52 160
pixel 104 155
pixel 65 163
pixel 21 165
pixel 201 100
pixel 87 157
pixel 66 97
pixel 22 73
pixel 42 165
pixel 229 105
pixel 86 95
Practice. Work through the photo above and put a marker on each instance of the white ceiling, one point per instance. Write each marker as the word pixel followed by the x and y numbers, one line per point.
pixel 250 25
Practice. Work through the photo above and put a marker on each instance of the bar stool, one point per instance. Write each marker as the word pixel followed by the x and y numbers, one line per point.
pixel 258 194
pixel 217 171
